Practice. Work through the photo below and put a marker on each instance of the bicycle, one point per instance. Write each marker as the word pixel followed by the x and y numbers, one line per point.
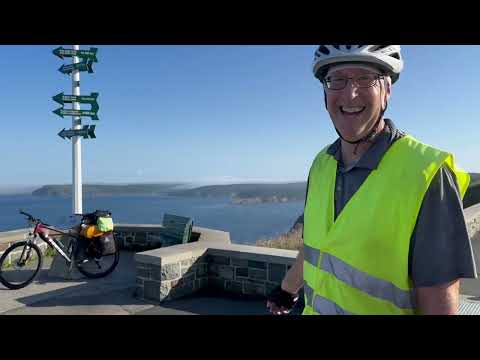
pixel 21 262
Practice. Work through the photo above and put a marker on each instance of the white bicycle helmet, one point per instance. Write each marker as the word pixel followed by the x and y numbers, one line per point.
pixel 386 57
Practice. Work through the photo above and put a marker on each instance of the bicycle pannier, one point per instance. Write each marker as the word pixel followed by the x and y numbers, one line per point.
pixel 106 244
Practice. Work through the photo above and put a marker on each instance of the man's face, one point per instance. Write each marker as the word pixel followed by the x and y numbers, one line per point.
pixel 354 110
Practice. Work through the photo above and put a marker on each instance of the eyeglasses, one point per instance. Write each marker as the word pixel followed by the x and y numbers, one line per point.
pixel 362 81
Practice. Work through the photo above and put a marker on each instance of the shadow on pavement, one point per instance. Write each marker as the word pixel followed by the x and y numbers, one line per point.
pixel 85 294
pixel 82 299
pixel 209 305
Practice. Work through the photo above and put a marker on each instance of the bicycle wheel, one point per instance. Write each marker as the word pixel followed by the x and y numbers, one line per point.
pixel 94 268
pixel 20 264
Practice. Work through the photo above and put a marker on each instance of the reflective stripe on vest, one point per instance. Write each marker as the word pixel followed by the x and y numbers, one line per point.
pixel 308 294
pixel 321 305
pixel 360 280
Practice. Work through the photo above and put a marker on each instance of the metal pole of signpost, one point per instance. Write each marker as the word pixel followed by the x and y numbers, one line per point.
pixel 76 143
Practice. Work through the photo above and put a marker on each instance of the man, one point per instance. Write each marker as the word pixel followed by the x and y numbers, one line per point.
pixel 384 231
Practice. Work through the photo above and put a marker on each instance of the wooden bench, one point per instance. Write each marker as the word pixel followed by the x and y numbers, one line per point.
pixel 176 230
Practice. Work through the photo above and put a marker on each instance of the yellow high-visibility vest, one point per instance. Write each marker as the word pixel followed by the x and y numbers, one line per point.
pixel 358 264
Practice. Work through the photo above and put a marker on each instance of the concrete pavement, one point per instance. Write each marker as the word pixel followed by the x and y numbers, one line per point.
pixel 122 302
pixel 114 295
pixel 48 289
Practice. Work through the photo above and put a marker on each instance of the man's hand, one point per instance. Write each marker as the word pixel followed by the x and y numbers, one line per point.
pixel 291 284
pixel 276 310
pixel 438 300
pixel 280 302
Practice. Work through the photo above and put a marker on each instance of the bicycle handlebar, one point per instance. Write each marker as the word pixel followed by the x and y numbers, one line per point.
pixel 31 218
pixel 27 215
pixel 36 220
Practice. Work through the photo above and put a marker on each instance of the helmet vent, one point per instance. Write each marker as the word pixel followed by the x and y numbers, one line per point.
pixel 336 47
pixel 348 47
pixel 396 56
pixel 378 47
pixel 324 50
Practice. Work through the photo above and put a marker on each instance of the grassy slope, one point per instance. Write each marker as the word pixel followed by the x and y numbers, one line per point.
pixel 472 196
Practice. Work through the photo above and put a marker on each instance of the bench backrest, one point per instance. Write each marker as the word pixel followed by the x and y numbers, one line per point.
pixel 177 227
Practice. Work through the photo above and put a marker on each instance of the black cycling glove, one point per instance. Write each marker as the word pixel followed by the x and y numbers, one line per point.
pixel 281 298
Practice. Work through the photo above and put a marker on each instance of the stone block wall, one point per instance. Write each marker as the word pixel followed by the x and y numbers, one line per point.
pixel 236 275
pixel 472 219
pixel 144 237
pixel 16 254
pixel 172 280
pixel 9 238
pixel 234 269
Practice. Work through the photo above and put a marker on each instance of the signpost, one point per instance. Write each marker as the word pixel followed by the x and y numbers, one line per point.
pixel 77 132
pixel 86 99
pixel 84 54
pixel 86 131
pixel 72 112
pixel 81 66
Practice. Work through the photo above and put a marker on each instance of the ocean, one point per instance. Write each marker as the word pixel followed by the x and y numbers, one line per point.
pixel 245 223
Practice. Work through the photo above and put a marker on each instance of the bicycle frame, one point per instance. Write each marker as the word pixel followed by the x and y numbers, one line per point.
pixel 42 231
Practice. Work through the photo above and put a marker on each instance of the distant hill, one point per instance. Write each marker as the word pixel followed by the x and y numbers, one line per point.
pixel 107 190
pixel 238 193
pixel 259 193
pixel 16 189
pixel 250 193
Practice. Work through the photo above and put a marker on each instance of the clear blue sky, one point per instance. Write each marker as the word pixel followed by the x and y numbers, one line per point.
pixel 214 114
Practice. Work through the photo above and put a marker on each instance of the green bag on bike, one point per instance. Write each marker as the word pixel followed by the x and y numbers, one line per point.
pixel 105 224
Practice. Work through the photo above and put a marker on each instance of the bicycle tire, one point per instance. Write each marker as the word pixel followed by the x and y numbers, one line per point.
pixel 8 283
pixel 84 270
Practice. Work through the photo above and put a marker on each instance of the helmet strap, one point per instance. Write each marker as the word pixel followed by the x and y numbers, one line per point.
pixel 367 138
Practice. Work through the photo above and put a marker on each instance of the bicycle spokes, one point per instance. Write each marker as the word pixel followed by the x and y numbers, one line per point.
pixel 25 257
pixel 20 264
pixel 91 261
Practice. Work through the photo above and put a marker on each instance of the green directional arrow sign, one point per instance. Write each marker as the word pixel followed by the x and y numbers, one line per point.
pixel 83 99
pixel 85 65
pixel 73 112
pixel 87 131
pixel 84 54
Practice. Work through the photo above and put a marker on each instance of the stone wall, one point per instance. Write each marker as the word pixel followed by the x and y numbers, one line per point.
pixel 167 274
pixel 472 219
pixel 171 280
pixel 242 273
pixel 16 254
pixel 144 237
pixel 8 238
